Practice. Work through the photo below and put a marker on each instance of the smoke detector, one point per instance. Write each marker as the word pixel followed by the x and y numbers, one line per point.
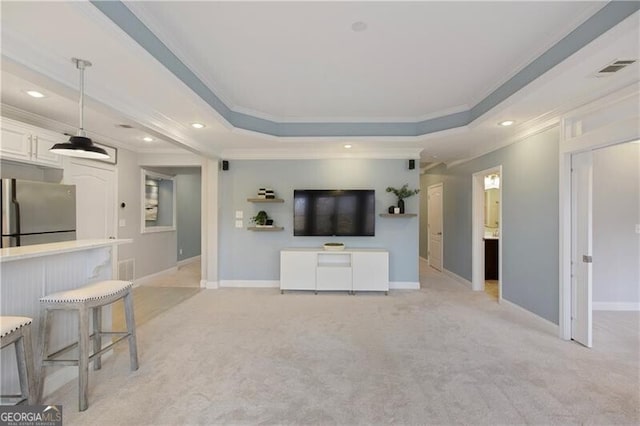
pixel 614 67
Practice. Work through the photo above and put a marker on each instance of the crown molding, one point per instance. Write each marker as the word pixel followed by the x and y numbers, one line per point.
pixel 596 25
pixel 318 154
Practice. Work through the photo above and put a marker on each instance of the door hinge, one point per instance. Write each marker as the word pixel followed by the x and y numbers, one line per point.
pixel 587 259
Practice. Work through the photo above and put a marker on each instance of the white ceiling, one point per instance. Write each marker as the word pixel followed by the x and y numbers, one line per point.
pixel 299 61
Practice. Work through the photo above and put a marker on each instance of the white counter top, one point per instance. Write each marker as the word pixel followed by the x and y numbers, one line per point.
pixel 38 250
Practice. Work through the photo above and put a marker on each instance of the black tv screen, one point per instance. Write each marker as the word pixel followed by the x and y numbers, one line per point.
pixel 328 212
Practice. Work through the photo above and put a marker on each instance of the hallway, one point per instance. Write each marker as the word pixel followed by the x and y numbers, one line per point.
pixel 160 293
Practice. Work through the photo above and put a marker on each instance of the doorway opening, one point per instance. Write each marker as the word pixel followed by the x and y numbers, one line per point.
pixel 487 232
pixel 605 211
pixel 434 227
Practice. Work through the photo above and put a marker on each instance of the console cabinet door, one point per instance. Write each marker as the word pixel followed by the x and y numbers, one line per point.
pixel 370 271
pixel 298 270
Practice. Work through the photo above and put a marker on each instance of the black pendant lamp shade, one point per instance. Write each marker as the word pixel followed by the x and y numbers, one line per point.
pixel 80 145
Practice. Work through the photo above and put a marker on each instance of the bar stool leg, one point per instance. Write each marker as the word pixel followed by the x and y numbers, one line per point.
pixel 131 329
pixel 24 356
pixel 83 357
pixel 45 332
pixel 97 337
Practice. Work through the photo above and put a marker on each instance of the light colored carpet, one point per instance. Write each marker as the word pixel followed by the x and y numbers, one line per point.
pixel 149 302
pixel 441 355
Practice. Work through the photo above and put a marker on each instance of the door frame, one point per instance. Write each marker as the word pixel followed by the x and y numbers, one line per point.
pixel 435 185
pixel 477 230
pixel 586 129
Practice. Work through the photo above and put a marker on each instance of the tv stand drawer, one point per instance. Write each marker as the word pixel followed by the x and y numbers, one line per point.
pixel 333 278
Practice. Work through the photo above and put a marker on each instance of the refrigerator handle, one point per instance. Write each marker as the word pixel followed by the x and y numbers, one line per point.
pixel 16 204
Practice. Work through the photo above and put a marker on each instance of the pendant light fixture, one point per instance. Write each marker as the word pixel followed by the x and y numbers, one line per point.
pixel 80 145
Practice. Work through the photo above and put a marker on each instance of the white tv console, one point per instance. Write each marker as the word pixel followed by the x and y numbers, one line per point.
pixel 347 270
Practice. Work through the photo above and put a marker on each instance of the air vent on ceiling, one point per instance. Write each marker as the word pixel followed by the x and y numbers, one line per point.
pixel 614 67
pixel 125 126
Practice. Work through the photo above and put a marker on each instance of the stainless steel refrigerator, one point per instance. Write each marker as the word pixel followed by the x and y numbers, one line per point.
pixel 37 212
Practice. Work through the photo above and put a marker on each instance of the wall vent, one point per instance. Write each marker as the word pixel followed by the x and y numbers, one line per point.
pixel 614 67
pixel 126 269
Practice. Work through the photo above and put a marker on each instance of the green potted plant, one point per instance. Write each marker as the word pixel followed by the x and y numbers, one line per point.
pixel 261 218
pixel 402 193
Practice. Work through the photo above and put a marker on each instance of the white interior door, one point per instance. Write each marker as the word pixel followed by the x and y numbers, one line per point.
pixel 434 225
pixel 95 199
pixel 581 250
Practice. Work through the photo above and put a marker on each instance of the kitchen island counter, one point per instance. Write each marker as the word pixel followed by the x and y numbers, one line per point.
pixel 28 273
pixel 26 252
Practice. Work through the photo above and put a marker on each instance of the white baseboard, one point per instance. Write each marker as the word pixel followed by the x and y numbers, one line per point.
pixel 548 325
pixel 210 285
pixel 404 285
pixel 616 306
pixel 142 280
pixel 250 283
pixel 457 278
pixel 189 260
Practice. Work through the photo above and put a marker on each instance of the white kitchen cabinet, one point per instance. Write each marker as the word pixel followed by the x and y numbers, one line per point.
pixel 26 143
pixel 345 270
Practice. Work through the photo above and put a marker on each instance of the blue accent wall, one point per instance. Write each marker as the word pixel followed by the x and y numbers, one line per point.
pixel 530 205
pixel 248 255
pixel 188 222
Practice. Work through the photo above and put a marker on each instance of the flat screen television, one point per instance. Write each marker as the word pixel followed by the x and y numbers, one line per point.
pixel 329 212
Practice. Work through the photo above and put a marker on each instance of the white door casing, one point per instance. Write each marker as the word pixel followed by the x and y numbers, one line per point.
pixel 434 226
pixel 477 226
pixel 610 120
pixel 581 248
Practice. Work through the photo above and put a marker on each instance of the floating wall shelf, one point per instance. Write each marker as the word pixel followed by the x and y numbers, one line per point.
pixel 265 200
pixel 266 228
pixel 398 215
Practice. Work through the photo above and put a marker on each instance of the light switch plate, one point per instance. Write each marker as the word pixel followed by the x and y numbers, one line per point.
pixel 239 214
pixel 637 228
pixel 238 224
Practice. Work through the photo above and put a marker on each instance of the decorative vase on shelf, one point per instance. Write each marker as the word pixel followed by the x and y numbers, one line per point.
pixel 401 205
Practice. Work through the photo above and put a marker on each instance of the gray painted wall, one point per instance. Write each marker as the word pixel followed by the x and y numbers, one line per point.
pixel 247 255
pixel 616 211
pixel 529 219
pixel 153 252
pixel 188 195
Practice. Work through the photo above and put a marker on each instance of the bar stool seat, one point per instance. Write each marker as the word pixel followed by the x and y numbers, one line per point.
pixel 89 298
pixel 17 331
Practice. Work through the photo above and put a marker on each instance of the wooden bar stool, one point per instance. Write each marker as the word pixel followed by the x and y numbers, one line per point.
pixel 85 299
pixel 17 331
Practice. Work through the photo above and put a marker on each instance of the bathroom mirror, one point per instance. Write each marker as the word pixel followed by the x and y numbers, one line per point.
pixel 492 208
pixel 158 198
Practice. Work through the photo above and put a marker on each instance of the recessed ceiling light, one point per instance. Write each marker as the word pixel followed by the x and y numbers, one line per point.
pixel 506 123
pixel 35 94
pixel 197 125
pixel 359 26
pixel 347 146
pixel 147 139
